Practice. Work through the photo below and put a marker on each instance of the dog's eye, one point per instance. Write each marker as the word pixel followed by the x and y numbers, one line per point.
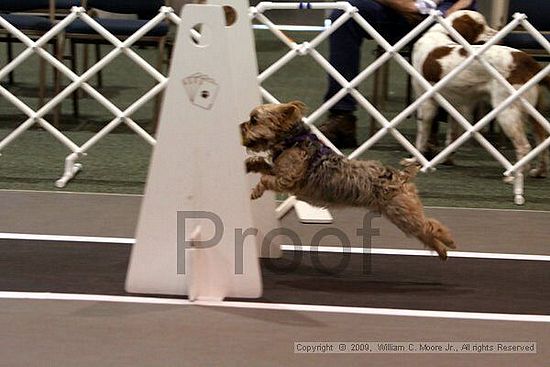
pixel 253 120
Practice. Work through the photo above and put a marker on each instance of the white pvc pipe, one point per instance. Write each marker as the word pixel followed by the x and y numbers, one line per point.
pixel 275 30
pixel 292 28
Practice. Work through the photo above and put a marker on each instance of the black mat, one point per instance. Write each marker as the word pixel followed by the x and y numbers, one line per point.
pixel 501 286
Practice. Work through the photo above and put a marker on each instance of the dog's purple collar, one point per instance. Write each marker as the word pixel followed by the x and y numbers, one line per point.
pixel 308 137
pixel 311 140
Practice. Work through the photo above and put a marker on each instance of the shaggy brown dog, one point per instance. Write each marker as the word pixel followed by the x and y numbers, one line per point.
pixel 299 164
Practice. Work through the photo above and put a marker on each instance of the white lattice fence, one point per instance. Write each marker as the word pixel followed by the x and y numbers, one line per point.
pixel 431 91
pixel 80 81
pixel 295 50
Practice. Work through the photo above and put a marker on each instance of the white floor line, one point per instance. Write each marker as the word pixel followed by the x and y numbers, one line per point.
pixel 91 298
pixel 322 249
pixel 383 311
pixel 406 252
pixel 65 238
pixel 487 209
pixel 279 307
pixel 70 192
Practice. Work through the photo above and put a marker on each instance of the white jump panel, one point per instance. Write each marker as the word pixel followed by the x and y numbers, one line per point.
pixel 241 36
pixel 197 169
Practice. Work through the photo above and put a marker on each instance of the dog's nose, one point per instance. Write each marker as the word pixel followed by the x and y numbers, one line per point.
pixel 492 33
pixel 243 133
pixel 487 35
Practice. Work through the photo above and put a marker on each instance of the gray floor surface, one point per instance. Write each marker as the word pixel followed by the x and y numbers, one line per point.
pixel 76 333
pixel 55 333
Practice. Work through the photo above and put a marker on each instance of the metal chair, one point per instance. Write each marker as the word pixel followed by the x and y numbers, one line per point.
pixel 18 13
pixel 34 18
pixel 80 32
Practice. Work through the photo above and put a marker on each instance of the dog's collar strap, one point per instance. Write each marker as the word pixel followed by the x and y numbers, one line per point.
pixel 296 132
pixel 305 136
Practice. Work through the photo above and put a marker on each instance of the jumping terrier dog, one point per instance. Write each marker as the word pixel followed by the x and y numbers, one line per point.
pixel 298 163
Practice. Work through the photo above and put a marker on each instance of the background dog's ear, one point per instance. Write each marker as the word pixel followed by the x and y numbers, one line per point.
pixel 468 28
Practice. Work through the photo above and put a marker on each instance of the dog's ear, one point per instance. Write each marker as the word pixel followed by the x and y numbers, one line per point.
pixel 293 111
pixel 468 28
pixel 301 106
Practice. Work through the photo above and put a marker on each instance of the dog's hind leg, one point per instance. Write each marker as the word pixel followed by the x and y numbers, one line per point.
pixel 454 130
pixel 406 211
pixel 425 118
pixel 510 120
pixel 540 135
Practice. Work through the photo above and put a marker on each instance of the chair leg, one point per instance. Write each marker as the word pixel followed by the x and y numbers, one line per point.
pixel 42 85
pixel 60 54
pixel 169 47
pixel 408 57
pixel 97 59
pixel 74 68
pixel 85 57
pixel 55 75
pixel 375 99
pixel 409 89
pixel 11 78
pixel 160 96
pixel 385 81
pixel 160 55
pixel 380 91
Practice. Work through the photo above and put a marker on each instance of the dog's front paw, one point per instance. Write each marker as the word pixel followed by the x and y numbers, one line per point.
pixel 256 164
pixel 257 192
pixel 249 163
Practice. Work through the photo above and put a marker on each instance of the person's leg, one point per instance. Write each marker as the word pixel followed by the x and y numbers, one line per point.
pixel 345 43
pixel 345 55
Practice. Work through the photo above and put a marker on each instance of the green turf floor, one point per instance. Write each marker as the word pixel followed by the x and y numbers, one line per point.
pixel 118 164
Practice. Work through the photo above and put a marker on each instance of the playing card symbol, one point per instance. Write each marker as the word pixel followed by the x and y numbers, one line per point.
pixel 201 90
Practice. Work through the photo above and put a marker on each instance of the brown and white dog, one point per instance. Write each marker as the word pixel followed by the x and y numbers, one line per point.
pixel 436 54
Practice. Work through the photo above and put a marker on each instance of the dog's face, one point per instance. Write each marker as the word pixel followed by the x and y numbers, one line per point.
pixel 269 124
pixel 472 26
